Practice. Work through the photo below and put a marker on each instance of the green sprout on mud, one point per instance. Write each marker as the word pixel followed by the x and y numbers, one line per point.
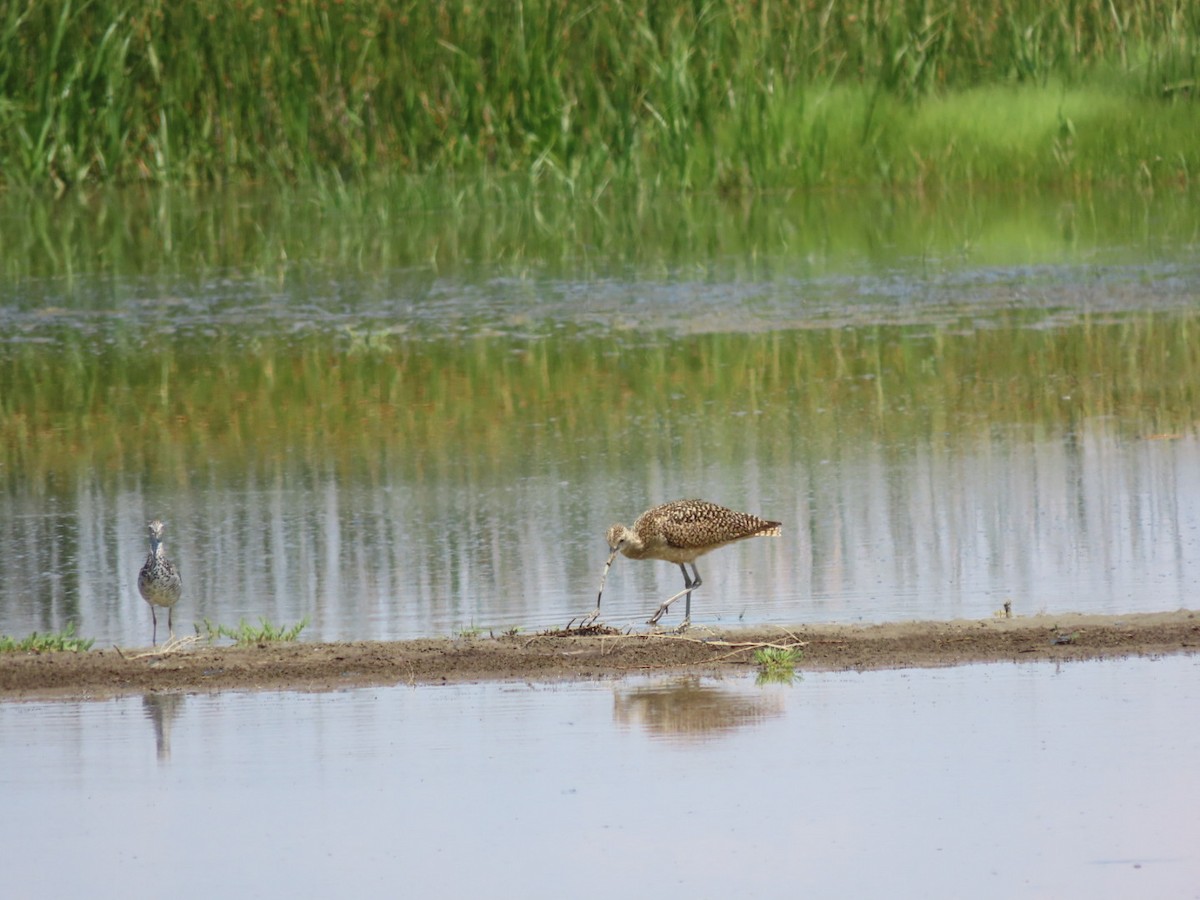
pixel 45 643
pixel 244 634
pixel 473 631
pixel 777 664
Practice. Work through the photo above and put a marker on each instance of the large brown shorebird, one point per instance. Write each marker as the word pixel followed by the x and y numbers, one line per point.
pixel 679 532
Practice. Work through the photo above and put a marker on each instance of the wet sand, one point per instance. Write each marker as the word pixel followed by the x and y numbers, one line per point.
pixel 599 653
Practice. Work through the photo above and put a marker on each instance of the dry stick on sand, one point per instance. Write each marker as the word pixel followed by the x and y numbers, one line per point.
pixel 173 645
pixel 738 646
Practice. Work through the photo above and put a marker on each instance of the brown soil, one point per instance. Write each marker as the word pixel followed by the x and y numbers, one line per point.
pixel 597 653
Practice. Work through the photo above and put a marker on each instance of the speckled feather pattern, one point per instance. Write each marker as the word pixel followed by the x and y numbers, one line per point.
pixel 682 530
pixel 159 581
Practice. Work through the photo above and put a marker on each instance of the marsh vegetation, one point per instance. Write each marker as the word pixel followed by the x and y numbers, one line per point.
pixel 733 96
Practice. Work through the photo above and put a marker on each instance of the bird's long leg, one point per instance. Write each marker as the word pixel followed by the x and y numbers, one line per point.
pixel 687 607
pixel 154 631
pixel 689 585
pixel 170 627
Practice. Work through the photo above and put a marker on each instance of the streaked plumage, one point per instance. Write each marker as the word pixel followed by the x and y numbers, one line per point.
pixel 159 581
pixel 679 532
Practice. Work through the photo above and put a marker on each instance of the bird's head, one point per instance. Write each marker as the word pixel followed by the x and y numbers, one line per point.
pixel 617 537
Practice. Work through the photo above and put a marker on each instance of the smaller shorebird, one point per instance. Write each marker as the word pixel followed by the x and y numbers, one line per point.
pixel 159 581
pixel 679 532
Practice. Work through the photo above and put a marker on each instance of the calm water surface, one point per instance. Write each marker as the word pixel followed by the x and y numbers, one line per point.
pixel 992 781
pixel 413 425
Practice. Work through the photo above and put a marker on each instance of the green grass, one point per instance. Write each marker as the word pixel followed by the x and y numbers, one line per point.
pixel 772 658
pixel 692 95
pixel 46 643
pixel 244 634
pixel 1042 134
pixel 777 664
pixel 1062 637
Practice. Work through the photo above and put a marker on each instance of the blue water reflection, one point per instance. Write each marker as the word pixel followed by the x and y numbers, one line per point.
pixel 1030 780
pixel 1067 508
pixel 1099 524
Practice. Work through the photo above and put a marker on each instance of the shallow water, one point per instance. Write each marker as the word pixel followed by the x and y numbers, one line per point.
pixel 426 426
pixel 996 780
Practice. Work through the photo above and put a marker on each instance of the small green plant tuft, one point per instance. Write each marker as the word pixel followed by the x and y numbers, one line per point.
pixel 778 657
pixel 777 664
pixel 47 643
pixel 245 634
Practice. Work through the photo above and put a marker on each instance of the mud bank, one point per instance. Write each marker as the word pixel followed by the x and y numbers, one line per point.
pixel 601 654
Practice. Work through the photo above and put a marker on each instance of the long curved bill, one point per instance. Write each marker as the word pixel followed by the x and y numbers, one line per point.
pixel 604 575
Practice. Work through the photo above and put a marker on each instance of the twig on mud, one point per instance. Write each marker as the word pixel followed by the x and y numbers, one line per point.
pixel 737 646
pixel 173 645
pixel 605 632
pixel 792 636
pixel 598 629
